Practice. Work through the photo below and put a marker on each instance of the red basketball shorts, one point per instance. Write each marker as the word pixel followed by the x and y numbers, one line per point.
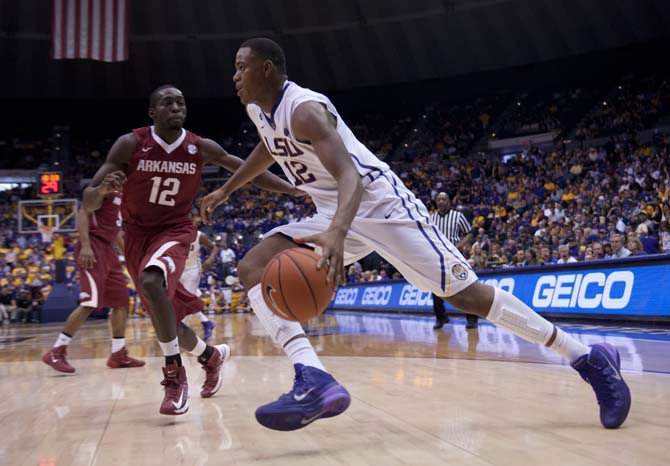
pixel 167 249
pixel 103 285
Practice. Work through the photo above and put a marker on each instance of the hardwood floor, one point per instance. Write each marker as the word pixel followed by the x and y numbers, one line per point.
pixel 420 397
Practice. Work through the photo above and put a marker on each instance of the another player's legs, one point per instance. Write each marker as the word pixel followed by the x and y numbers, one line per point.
pixel 441 316
pixel 190 279
pixel 207 325
pixel 598 365
pixel 152 286
pixel 119 357
pixel 315 394
pixel 56 357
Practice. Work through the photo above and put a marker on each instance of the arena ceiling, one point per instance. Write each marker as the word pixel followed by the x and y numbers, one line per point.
pixel 330 44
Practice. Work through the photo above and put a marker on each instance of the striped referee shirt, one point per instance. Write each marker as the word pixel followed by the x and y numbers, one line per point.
pixel 453 225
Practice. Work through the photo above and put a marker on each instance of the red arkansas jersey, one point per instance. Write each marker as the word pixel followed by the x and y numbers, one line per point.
pixel 105 222
pixel 162 180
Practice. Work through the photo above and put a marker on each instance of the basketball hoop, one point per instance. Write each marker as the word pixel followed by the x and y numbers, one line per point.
pixel 47 232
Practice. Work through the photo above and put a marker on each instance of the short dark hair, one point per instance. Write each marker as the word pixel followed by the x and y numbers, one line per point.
pixel 156 94
pixel 267 49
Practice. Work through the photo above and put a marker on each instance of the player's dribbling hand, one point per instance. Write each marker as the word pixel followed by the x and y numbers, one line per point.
pixel 112 182
pixel 210 202
pixel 331 242
pixel 86 257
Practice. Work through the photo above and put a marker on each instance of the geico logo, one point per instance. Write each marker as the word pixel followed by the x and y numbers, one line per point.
pixel 412 296
pixel 377 295
pixel 506 284
pixel 585 291
pixel 346 296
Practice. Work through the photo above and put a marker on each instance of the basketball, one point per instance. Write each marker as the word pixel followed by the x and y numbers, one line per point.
pixel 293 287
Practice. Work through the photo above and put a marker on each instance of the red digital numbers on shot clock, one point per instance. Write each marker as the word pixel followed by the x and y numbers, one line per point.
pixel 50 184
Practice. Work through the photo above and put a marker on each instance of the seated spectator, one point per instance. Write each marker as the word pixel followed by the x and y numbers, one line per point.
pixel 649 243
pixel 664 236
pixel 496 258
pixel 598 250
pixel 37 301
pixel 7 305
pixel 635 247
pixel 564 256
pixel 24 306
pixel 546 257
pixel 531 257
pixel 588 253
pixel 618 249
pixel 479 257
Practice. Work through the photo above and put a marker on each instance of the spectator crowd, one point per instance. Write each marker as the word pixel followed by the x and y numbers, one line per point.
pixel 538 207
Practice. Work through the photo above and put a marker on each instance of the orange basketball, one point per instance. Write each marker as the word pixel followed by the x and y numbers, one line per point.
pixel 292 286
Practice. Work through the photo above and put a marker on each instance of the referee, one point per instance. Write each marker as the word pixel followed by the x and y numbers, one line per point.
pixel 454 226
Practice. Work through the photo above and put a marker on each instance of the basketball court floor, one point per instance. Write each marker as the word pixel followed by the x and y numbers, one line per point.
pixel 419 397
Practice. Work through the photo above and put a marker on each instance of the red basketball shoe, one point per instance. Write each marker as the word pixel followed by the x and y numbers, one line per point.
pixel 121 359
pixel 55 358
pixel 212 368
pixel 175 401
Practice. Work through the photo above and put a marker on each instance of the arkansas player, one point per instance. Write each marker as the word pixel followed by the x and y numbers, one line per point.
pixel 102 284
pixel 159 170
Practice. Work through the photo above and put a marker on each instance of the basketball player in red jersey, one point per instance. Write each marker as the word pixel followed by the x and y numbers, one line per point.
pixel 159 170
pixel 102 284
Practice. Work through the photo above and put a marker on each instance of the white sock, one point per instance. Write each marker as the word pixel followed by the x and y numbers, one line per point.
pixel 567 346
pixel 117 344
pixel 199 347
pixel 510 313
pixel 62 340
pixel 299 350
pixel 170 348
pixel 203 317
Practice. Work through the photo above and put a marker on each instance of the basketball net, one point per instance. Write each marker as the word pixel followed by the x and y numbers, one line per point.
pixel 47 232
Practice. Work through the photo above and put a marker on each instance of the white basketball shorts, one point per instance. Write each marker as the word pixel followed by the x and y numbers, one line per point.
pixel 395 224
pixel 191 279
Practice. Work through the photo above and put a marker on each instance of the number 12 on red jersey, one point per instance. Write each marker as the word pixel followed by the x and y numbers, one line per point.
pixel 170 187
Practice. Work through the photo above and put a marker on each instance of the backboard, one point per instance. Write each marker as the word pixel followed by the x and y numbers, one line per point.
pixel 61 214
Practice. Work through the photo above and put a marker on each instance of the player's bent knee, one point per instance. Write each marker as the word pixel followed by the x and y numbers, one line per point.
pixel 151 282
pixel 475 299
pixel 249 271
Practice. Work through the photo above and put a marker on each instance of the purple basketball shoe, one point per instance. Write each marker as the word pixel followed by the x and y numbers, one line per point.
pixel 601 369
pixel 316 394
pixel 208 327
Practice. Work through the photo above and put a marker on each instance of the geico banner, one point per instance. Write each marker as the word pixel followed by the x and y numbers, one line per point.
pixel 637 290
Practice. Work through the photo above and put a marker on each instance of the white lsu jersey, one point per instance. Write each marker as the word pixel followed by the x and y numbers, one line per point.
pixel 193 259
pixel 298 159
pixel 389 220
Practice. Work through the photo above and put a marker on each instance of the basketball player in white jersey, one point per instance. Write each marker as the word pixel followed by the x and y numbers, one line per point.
pixel 362 206
pixel 190 278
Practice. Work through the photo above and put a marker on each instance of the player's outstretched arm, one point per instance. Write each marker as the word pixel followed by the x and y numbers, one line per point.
pixel 217 155
pixel 110 176
pixel 312 122
pixel 258 161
